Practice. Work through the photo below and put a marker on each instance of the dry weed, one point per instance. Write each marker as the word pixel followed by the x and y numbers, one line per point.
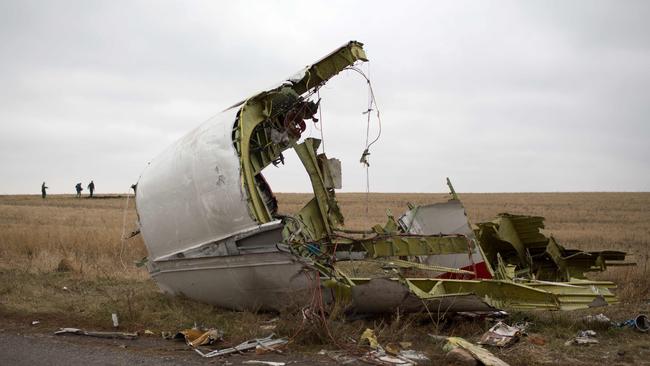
pixel 37 235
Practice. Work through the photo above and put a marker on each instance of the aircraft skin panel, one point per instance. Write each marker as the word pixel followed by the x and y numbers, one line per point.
pixel 191 193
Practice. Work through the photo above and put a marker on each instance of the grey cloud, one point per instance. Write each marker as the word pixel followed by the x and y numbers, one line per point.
pixel 507 96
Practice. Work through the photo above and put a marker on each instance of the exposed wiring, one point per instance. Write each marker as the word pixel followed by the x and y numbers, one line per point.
pixel 372 105
pixel 320 119
pixel 372 101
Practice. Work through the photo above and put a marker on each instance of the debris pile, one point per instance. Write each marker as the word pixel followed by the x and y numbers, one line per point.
pixel 261 345
pixel 221 227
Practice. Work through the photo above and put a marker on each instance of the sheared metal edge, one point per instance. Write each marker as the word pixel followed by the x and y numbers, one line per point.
pixel 257 108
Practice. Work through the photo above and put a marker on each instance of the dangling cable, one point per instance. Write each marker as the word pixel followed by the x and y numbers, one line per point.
pixel 320 119
pixel 366 152
pixel 372 101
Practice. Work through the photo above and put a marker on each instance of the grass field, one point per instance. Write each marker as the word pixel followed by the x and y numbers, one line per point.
pixel 99 276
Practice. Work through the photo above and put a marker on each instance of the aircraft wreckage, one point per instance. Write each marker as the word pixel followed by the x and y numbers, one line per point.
pixel 210 224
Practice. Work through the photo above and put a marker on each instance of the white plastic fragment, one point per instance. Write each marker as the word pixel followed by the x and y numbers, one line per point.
pixel 269 363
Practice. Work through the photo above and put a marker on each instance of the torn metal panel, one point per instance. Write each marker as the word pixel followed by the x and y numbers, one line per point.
pixel 437 219
pixel 282 109
pixel 269 342
pixel 501 335
pixel 479 353
pixel 517 241
pixel 382 295
pixel 447 218
pixel 191 194
pixel 261 281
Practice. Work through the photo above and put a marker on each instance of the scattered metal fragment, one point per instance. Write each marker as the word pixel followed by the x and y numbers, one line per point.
pixel 114 335
pixel 587 333
pixel 380 357
pixel 369 338
pixel 264 349
pixel 390 354
pixel 202 338
pixel 258 362
pixel 601 319
pixel 36 322
pixel 479 353
pixel 583 338
pixel 267 342
pixel 413 355
pixel 501 335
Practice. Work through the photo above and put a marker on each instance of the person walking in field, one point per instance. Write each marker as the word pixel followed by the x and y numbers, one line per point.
pixel 78 188
pixel 91 188
pixel 43 188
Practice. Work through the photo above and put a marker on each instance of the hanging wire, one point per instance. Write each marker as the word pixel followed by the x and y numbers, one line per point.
pixel 372 102
pixel 320 119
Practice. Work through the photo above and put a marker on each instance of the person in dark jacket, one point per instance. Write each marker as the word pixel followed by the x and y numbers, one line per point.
pixel 78 188
pixel 91 188
pixel 43 188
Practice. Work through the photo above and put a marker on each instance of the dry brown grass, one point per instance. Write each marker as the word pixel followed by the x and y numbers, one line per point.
pixel 36 234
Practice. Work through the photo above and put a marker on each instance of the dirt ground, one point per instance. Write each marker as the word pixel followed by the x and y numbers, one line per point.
pixel 25 345
pixel 62 262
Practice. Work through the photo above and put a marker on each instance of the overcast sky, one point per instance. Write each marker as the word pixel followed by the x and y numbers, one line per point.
pixel 499 96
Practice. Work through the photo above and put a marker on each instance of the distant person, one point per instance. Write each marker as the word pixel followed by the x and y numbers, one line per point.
pixel 91 188
pixel 78 188
pixel 43 188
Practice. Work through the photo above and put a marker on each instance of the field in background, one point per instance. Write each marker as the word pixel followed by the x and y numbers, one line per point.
pixel 101 277
pixel 36 234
